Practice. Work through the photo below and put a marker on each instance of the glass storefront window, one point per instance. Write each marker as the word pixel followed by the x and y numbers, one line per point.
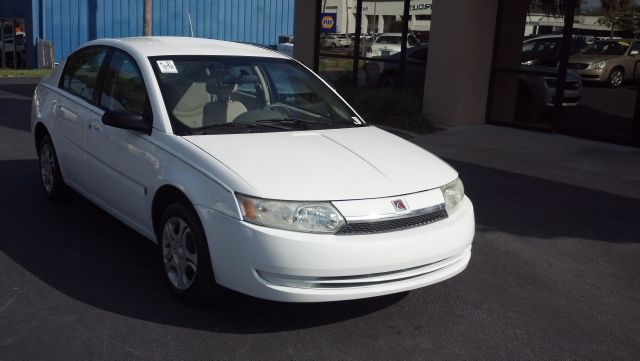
pixel 600 66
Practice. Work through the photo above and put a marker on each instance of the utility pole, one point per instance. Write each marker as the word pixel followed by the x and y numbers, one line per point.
pixel 146 22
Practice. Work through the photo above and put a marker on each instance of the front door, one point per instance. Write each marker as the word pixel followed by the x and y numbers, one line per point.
pixel 120 162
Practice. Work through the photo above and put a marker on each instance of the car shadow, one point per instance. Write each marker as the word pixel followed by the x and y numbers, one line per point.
pixel 78 249
pixel 15 101
pixel 534 207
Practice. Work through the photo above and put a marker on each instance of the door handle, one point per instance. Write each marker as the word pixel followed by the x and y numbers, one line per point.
pixel 95 126
pixel 57 109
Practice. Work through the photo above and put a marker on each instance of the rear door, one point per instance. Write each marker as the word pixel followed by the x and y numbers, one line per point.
pixel 74 110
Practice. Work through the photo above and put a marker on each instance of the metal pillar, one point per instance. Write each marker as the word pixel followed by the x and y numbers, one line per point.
pixel 356 45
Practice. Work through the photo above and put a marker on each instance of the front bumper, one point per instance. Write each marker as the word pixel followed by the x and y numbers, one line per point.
pixel 594 75
pixel 301 267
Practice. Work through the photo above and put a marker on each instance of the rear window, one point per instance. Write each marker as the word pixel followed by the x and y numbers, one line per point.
pixel 396 40
pixel 81 72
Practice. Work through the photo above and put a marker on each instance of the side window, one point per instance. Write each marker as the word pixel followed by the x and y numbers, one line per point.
pixel 528 46
pixel 246 79
pixel 635 46
pixel 123 87
pixel 293 89
pixel 81 72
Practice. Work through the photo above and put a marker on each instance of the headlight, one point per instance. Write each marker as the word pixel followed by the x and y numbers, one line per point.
pixel 529 62
pixel 312 217
pixel 453 194
pixel 599 65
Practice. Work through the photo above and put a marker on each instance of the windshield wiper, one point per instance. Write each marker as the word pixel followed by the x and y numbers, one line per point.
pixel 303 123
pixel 251 126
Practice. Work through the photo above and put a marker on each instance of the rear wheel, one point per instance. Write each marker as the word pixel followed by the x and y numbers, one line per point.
pixel 616 77
pixel 50 175
pixel 185 254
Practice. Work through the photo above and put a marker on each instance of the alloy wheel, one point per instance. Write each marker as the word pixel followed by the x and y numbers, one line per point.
pixel 179 253
pixel 47 167
pixel 616 77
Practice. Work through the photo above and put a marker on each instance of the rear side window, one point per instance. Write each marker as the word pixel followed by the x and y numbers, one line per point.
pixel 123 87
pixel 81 72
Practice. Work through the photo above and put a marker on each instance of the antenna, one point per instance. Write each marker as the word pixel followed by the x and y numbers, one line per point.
pixel 190 25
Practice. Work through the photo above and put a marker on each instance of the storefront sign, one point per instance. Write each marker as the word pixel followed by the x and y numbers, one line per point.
pixel 422 6
pixel 328 22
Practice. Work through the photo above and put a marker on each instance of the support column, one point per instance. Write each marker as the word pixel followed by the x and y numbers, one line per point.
pixel 306 25
pixel 460 56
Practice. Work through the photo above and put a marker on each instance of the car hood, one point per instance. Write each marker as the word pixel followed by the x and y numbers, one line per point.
pixel 327 165
pixel 590 58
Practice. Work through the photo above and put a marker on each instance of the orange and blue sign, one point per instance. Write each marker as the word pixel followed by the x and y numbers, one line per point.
pixel 328 22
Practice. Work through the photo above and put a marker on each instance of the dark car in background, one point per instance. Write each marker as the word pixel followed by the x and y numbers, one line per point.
pixel 380 73
pixel 536 84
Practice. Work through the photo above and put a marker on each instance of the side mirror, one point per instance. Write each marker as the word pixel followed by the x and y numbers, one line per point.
pixel 125 119
pixel 633 52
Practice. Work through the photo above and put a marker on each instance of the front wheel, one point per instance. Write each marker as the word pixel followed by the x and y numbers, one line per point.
pixel 185 254
pixel 50 175
pixel 615 78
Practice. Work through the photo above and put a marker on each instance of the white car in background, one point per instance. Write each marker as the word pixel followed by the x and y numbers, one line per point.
pixel 248 171
pixel 387 44
pixel 334 41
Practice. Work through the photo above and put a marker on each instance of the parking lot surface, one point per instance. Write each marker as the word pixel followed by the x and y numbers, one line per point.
pixel 554 274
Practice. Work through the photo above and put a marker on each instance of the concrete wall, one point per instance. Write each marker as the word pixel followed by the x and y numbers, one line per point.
pixel 460 56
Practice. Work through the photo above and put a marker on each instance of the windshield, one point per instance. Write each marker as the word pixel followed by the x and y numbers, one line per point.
pixel 229 94
pixel 607 48
pixel 385 39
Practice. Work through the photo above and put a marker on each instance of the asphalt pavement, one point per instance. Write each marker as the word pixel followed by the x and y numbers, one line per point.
pixel 554 274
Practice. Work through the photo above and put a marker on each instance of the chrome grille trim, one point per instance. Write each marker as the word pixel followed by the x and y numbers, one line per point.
pixel 394 223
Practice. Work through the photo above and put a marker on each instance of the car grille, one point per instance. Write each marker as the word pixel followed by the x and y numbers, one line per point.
pixel 578 66
pixel 394 224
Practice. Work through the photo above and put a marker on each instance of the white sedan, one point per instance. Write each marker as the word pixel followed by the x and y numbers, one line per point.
pixel 248 171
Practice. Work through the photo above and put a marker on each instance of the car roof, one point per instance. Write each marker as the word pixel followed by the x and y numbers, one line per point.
pixel 176 45
pixel 391 34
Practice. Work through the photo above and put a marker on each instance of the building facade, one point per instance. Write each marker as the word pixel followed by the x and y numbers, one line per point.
pixel 70 23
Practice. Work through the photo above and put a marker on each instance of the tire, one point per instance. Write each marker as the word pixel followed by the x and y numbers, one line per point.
pixel 616 77
pixel 50 174
pixel 185 255
pixel 333 45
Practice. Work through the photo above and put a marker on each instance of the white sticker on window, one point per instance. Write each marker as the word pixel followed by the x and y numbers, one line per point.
pixel 356 120
pixel 167 66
